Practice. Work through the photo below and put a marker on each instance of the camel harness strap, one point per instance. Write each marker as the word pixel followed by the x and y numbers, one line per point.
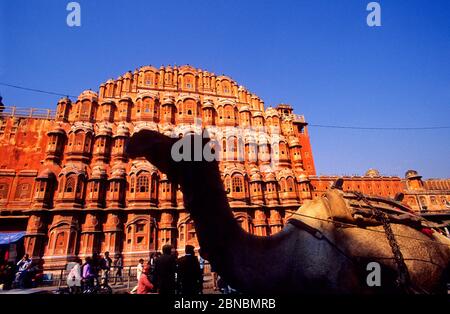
pixel 403 279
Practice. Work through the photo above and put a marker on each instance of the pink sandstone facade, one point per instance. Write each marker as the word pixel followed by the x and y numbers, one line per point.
pixel 65 178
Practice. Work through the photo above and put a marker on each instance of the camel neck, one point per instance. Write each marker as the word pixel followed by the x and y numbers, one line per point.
pixel 206 200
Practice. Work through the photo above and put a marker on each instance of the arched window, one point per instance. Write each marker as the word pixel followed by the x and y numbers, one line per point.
pixel 79 141
pixel 60 241
pixel 142 185
pixel 141 232
pixel 79 186
pixel 132 184
pixel 237 184
pixel 85 106
pixel 290 184
pixel 70 184
pixel 148 79
pixel 282 184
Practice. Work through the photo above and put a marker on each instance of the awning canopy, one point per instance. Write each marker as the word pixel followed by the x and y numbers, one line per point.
pixel 11 237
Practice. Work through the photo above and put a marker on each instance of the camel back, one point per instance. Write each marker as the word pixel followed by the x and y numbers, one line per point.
pixel 359 209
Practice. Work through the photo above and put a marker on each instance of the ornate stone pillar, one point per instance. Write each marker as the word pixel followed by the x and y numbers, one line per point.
pixel 167 230
pixel 63 238
pixel 260 223
pixel 112 230
pixel 275 221
pixel 35 237
pixel 90 233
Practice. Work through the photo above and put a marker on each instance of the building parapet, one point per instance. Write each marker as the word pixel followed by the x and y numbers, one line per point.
pixel 20 112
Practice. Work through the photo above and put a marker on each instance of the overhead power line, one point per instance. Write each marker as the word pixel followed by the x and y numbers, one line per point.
pixel 37 90
pixel 378 128
pixel 311 125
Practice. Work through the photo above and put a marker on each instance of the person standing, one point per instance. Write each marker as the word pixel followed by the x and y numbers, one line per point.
pixel 145 286
pixel 189 272
pixel 118 265
pixel 74 277
pixel 165 268
pixel 95 266
pixel 139 270
pixel 88 274
pixel 106 267
pixel 21 276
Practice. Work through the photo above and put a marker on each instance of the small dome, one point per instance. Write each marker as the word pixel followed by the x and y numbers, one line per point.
pixel 98 172
pixel 293 141
pixel 64 100
pixel 104 130
pixel 122 130
pixel 412 174
pixel 270 112
pixel 125 98
pixel 302 178
pixel 145 125
pixel 148 68
pixel 208 104
pixel 46 174
pixel 263 139
pixel 145 94
pixel 249 139
pixel 255 175
pixel 57 130
pixel 168 100
pixel 118 173
pixel 257 114
pixel 106 102
pixel 244 108
pixel 88 95
pixel 269 176
pixel 372 173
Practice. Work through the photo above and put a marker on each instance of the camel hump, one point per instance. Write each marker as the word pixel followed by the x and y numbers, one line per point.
pixel 359 209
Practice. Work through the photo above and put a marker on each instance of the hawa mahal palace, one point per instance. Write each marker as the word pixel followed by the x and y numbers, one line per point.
pixel 67 185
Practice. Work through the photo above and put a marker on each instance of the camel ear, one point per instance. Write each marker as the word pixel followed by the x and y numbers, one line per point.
pixel 155 147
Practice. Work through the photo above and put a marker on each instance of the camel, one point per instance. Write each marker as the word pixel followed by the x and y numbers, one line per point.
pixel 310 254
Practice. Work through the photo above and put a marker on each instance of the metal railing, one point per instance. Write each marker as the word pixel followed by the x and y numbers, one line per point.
pixel 59 275
pixel 19 112
pixel 298 118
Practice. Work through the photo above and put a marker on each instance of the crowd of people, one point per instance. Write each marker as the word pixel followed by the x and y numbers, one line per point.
pixel 25 274
pixel 94 272
pixel 166 274
pixel 163 273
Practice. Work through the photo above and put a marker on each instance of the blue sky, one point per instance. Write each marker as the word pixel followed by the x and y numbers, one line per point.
pixel 318 55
